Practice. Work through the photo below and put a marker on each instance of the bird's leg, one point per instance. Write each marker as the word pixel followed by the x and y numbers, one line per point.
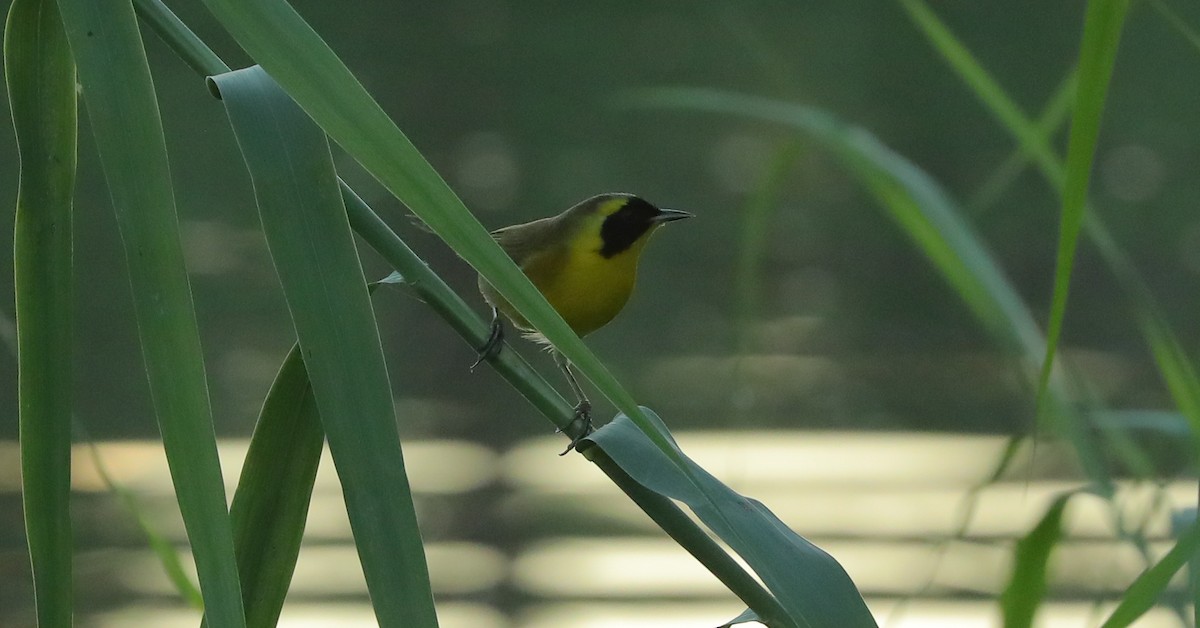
pixel 583 407
pixel 495 340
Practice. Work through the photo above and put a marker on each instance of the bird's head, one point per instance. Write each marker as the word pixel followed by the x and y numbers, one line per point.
pixel 622 220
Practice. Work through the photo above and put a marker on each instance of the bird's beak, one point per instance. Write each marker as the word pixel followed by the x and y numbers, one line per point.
pixel 667 215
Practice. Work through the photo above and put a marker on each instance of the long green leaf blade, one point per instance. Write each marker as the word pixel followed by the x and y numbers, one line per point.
pixel 1145 590
pixel 808 582
pixel 40 76
pixel 1097 55
pixel 121 104
pixel 270 506
pixel 310 241
pixel 1026 587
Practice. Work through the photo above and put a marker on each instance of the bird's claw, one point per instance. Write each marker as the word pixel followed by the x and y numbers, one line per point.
pixel 583 418
pixel 495 341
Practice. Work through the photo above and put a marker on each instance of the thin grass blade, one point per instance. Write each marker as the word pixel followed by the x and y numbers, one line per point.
pixel 809 583
pixel 270 506
pixel 40 76
pixel 312 246
pixel 1146 589
pixel 168 556
pixel 1026 587
pixel 1097 55
pixel 120 98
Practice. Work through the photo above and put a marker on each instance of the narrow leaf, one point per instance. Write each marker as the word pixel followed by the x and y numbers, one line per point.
pixel 270 506
pixel 166 553
pixel 1026 587
pixel 312 246
pixel 1097 55
pixel 808 582
pixel 40 76
pixel 116 82
pixel 1146 589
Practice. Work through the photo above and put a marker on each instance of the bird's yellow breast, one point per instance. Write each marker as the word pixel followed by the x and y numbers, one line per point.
pixel 586 288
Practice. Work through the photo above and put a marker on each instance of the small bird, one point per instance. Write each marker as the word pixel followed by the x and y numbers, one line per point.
pixel 584 261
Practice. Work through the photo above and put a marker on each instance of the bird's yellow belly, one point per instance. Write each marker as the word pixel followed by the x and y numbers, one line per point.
pixel 590 290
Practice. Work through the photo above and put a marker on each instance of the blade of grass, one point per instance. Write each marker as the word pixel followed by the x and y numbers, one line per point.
pixel 167 556
pixel 430 289
pixel 312 246
pixel 1146 589
pixel 125 120
pixel 1026 587
pixel 40 76
pixel 1097 55
pixel 270 506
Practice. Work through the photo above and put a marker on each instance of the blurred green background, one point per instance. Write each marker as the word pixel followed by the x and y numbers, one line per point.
pixel 518 106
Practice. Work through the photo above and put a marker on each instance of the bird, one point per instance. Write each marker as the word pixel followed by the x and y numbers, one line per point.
pixel 584 261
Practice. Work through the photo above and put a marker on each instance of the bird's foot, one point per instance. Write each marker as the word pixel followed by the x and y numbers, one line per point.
pixel 580 426
pixel 494 343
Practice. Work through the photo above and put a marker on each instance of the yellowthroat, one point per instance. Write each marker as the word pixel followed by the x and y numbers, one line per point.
pixel 584 261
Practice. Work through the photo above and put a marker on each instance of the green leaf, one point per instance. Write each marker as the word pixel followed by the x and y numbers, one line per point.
pixel 116 83
pixel 1027 586
pixel 1146 589
pixel 40 76
pixel 1097 55
pixel 810 585
pixel 166 553
pixel 312 246
pixel 270 506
